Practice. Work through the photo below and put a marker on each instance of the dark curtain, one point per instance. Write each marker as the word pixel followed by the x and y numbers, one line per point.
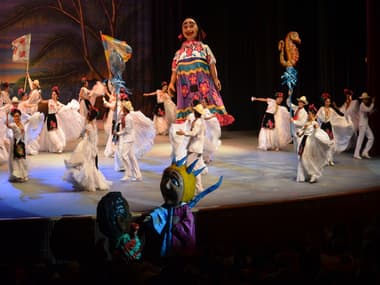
pixel 373 65
pixel 244 37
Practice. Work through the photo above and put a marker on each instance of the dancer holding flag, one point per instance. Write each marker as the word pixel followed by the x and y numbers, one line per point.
pixel 21 54
pixel 117 53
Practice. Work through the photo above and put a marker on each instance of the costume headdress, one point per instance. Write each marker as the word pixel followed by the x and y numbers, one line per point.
pixel 347 91
pixel 312 109
pixel 55 89
pixel 325 95
pixel 278 94
pixel 188 175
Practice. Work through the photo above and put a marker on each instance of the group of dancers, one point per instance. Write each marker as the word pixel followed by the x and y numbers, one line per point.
pixel 193 123
pixel 317 133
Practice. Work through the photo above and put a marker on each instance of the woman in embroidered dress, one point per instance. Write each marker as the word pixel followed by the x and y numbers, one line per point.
pixel 339 128
pixel 18 168
pixel 194 75
pixel 32 124
pixel 275 127
pixel 52 137
pixel 312 149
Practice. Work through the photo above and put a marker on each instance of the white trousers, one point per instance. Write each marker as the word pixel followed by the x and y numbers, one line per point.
pixel 364 131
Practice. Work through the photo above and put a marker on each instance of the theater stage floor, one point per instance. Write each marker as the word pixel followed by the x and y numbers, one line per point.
pixel 250 177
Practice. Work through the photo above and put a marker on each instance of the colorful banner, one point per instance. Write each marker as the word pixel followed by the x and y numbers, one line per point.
pixel 121 47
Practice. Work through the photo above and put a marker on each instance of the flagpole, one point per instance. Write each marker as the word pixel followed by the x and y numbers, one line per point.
pixel 26 77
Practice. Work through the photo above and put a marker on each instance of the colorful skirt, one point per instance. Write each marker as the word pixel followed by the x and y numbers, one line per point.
pixel 194 83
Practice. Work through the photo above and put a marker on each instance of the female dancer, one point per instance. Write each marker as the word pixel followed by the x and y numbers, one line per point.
pixel 339 128
pixel 275 127
pixel 18 168
pixel 84 98
pixel 81 167
pixel 165 110
pixel 312 149
pixel 52 137
pixel 350 109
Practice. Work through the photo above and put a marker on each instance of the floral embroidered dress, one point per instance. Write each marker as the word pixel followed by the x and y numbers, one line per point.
pixel 275 127
pixel 194 82
pixel 18 167
pixel 52 137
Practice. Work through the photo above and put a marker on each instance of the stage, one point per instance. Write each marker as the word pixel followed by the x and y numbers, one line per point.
pixel 250 177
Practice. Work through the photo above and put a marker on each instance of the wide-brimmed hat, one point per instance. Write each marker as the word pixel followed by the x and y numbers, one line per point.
pixel 303 99
pixel 364 96
pixel 15 100
pixel 199 108
pixel 128 105
pixel 36 83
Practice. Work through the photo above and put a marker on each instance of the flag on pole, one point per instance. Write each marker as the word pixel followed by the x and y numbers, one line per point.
pixel 21 48
pixel 121 47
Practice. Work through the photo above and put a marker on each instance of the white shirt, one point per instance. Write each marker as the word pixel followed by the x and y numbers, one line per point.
pixel 126 133
pixel 197 136
pixel 364 111
pixel 54 106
